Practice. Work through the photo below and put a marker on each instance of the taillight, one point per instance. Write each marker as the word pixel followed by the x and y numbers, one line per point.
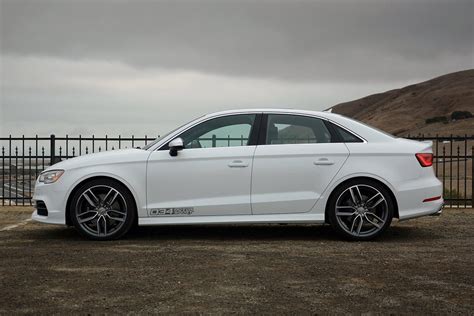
pixel 425 159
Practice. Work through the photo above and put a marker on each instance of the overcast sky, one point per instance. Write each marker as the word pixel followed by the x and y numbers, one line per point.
pixel 143 67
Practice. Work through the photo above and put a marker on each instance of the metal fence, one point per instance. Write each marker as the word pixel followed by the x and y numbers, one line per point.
pixel 23 159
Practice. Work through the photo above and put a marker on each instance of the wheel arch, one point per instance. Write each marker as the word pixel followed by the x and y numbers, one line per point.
pixel 389 190
pixel 92 178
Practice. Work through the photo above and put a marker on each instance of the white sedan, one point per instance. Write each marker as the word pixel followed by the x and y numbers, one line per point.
pixel 247 166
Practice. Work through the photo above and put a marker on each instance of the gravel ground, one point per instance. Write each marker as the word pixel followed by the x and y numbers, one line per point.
pixel 420 266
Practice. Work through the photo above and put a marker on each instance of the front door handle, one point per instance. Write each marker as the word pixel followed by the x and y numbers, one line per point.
pixel 238 164
pixel 323 162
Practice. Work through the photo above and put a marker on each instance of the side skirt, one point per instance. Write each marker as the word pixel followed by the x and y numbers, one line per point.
pixel 232 219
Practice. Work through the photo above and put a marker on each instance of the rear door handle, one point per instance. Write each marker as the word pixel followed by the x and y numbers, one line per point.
pixel 238 164
pixel 323 162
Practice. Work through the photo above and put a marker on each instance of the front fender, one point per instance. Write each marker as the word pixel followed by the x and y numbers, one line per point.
pixel 131 176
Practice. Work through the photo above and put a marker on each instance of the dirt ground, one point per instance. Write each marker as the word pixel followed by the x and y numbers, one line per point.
pixel 419 266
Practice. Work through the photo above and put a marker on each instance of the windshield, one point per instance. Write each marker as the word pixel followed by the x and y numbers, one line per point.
pixel 149 145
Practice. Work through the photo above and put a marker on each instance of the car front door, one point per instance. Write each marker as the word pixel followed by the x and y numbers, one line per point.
pixel 296 159
pixel 211 175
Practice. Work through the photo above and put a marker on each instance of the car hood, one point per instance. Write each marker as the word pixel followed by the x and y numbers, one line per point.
pixel 105 157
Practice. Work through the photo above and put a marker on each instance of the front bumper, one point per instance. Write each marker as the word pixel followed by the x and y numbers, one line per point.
pixel 48 219
pixel 53 197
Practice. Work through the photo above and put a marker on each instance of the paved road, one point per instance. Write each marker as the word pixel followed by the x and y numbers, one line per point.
pixel 423 266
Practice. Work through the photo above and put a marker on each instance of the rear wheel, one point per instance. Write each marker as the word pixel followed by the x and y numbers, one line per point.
pixel 102 209
pixel 361 209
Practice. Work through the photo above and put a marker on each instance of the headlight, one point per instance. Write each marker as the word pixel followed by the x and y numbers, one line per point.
pixel 50 176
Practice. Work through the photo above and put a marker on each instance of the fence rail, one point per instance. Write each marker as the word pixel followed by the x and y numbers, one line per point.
pixel 23 159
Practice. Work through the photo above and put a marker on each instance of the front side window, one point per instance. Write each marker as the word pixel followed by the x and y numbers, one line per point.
pixel 296 129
pixel 226 131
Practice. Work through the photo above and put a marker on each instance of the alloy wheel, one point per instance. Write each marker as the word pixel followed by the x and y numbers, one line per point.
pixel 361 210
pixel 101 210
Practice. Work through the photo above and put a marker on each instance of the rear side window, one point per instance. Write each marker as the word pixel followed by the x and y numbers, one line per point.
pixel 296 129
pixel 345 136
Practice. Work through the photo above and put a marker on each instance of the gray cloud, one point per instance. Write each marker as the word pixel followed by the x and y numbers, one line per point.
pixel 49 95
pixel 292 40
pixel 144 67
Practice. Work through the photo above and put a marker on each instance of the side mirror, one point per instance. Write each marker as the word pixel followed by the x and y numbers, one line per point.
pixel 175 145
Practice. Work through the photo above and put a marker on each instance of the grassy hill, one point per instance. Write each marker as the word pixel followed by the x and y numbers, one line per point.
pixel 405 111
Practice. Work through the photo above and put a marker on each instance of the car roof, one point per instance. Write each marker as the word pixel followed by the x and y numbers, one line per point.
pixel 274 110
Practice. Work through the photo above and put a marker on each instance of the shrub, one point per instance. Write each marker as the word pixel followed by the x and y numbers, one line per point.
pixel 459 115
pixel 452 194
pixel 436 119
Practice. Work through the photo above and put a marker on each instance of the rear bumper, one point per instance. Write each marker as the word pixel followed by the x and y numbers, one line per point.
pixel 411 195
pixel 435 211
pixel 439 212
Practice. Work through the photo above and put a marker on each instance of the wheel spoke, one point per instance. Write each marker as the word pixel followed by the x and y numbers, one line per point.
pixel 84 213
pixel 115 218
pixel 345 213
pixel 107 195
pixel 373 197
pixel 361 222
pixel 372 222
pixel 353 222
pixel 87 219
pixel 346 206
pixel 105 225
pixel 89 199
pixel 359 194
pixel 376 217
pixel 114 197
pixel 118 212
pixel 98 225
pixel 353 196
pixel 377 203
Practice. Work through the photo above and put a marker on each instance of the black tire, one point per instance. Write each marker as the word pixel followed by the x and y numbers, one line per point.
pixel 354 200
pixel 112 205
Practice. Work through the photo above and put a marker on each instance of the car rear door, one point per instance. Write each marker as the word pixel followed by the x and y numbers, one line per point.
pixel 296 159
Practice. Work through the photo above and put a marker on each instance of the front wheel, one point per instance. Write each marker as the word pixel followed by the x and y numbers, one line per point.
pixel 361 209
pixel 102 209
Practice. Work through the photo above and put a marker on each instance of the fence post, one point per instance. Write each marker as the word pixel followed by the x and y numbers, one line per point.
pixel 52 149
